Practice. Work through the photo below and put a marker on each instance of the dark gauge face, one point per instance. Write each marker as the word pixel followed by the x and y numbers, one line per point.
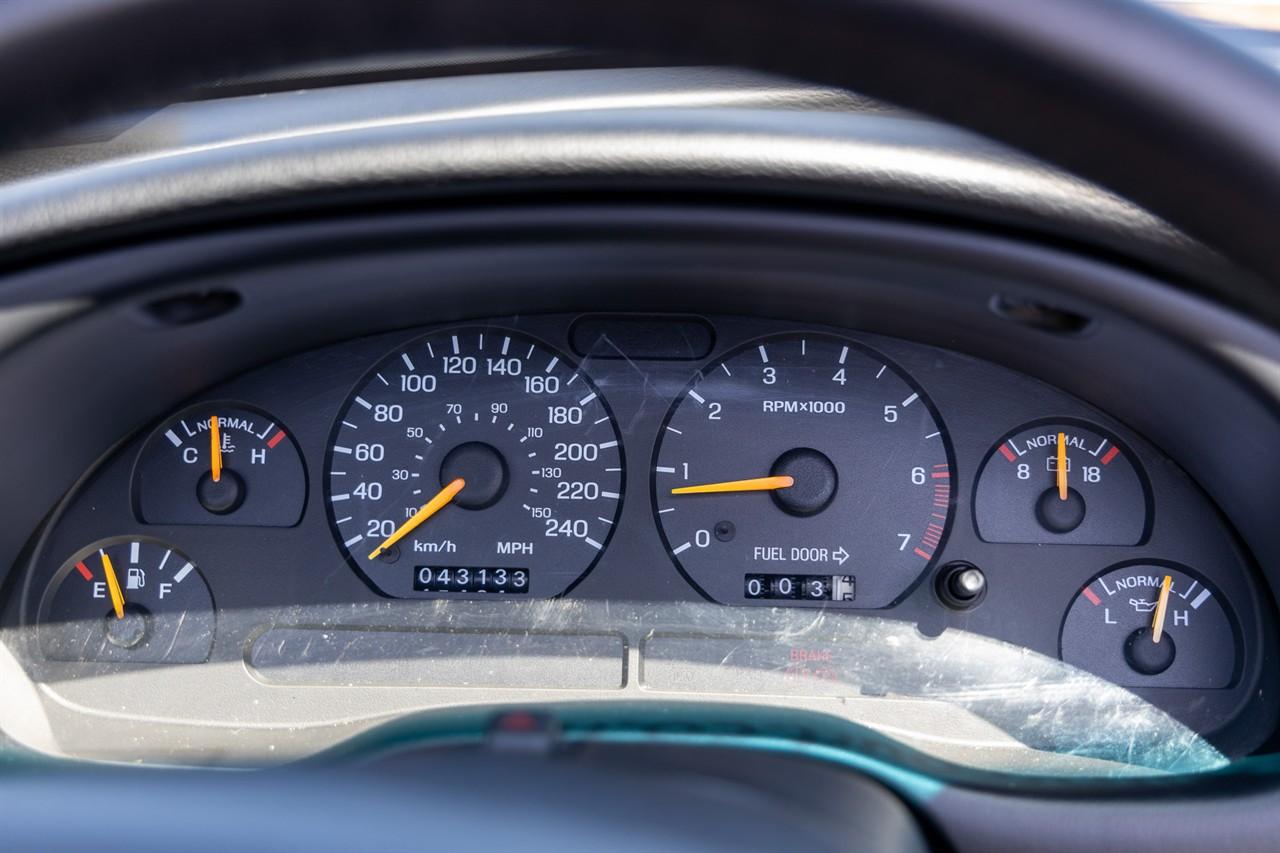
pixel 1152 625
pixel 803 471
pixel 136 600
pixel 474 462
pixel 220 464
pixel 1061 483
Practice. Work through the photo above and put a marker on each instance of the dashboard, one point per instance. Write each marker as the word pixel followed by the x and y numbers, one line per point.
pixel 652 506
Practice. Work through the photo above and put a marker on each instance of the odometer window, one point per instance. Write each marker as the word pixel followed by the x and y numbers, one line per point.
pixel 803 470
pixel 474 463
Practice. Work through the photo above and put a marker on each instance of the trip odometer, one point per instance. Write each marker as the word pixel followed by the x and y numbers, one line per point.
pixel 803 470
pixel 474 462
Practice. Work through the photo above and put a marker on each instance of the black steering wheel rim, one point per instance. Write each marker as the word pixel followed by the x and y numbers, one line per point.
pixel 1115 91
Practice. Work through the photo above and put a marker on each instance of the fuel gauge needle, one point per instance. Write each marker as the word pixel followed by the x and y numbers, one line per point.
pixel 215 448
pixel 1062 466
pixel 428 509
pixel 759 484
pixel 1157 624
pixel 113 585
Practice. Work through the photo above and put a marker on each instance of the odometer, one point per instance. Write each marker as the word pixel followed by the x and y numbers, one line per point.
pixel 471 463
pixel 803 470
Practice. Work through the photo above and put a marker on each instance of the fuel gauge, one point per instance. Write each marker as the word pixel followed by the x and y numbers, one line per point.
pixel 127 599
pixel 1062 483
pixel 220 464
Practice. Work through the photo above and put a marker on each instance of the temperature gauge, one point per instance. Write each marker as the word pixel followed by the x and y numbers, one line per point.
pixel 1152 625
pixel 220 464
pixel 1062 483
pixel 136 600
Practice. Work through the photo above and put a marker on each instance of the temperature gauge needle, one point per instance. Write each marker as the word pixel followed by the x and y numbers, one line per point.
pixel 428 509
pixel 1157 624
pixel 215 448
pixel 760 484
pixel 113 585
pixel 1062 466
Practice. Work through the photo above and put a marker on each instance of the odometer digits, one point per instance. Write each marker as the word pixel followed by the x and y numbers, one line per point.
pixel 805 471
pixel 474 462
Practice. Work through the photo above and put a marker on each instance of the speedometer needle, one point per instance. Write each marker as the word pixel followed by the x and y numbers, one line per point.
pixel 113 585
pixel 760 484
pixel 428 509
pixel 1157 625
pixel 215 449
pixel 1062 466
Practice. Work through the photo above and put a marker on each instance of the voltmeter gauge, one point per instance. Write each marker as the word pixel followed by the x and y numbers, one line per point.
pixel 1062 483
pixel 1152 624
pixel 127 599
pixel 220 464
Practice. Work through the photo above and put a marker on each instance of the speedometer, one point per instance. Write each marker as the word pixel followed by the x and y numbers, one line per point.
pixel 474 462
pixel 803 470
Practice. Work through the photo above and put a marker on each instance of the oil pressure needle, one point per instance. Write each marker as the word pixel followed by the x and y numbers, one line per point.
pixel 113 585
pixel 428 509
pixel 760 484
pixel 1157 624
pixel 1062 466
pixel 215 448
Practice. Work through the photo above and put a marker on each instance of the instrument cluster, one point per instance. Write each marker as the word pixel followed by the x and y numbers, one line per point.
pixel 653 458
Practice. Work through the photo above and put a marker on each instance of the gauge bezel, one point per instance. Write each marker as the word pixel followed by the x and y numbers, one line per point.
pixel 368 375
pixel 926 570
pixel 60 574
pixel 1241 663
pixel 1131 456
pixel 153 432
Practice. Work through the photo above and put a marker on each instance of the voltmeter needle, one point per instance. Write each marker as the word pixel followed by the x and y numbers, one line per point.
pixel 428 509
pixel 1062 466
pixel 215 448
pixel 1157 624
pixel 760 484
pixel 113 585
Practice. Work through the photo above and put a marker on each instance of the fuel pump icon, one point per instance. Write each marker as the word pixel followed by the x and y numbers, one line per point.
pixel 135 578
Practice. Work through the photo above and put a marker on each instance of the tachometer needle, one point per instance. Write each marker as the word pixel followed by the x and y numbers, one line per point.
pixel 760 484
pixel 215 448
pixel 1157 624
pixel 1062 466
pixel 113 585
pixel 428 509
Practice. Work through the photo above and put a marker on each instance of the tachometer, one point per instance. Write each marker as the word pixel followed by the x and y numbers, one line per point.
pixel 803 470
pixel 474 462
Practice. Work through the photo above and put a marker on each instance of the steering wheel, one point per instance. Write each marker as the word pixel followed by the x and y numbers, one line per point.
pixel 1115 91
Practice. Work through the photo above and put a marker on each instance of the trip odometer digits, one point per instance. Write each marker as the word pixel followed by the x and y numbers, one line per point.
pixel 471 463
pixel 804 471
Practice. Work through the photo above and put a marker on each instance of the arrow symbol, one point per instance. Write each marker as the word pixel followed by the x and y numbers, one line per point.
pixel 840 555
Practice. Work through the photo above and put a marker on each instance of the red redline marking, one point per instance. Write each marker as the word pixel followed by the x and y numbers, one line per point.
pixel 276 439
pixel 940 475
pixel 941 465
pixel 1008 454
pixel 84 571
pixel 927 556
pixel 1092 596
pixel 1110 455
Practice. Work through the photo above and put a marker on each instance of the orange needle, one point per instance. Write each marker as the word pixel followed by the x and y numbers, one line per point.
pixel 215 448
pixel 1062 466
pixel 760 484
pixel 428 509
pixel 113 585
pixel 1157 625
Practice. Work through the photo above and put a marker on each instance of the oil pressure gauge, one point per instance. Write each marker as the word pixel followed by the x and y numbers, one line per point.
pixel 1152 624
pixel 220 464
pixel 1062 482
